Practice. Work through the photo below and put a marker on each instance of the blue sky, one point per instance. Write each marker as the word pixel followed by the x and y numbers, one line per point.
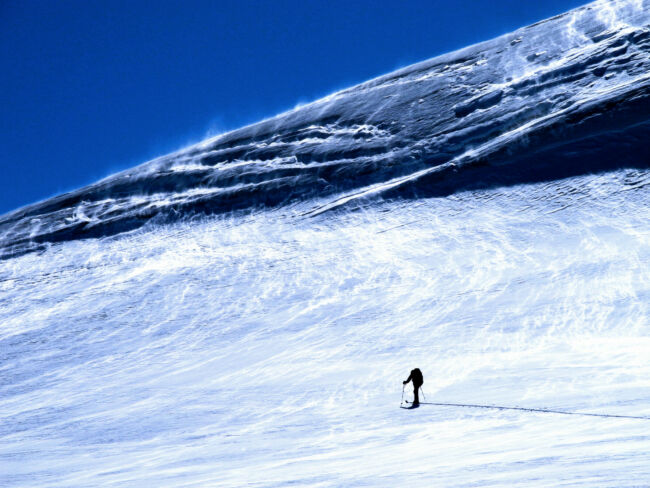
pixel 92 87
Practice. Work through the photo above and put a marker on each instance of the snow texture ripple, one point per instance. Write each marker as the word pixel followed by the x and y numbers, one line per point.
pixel 242 312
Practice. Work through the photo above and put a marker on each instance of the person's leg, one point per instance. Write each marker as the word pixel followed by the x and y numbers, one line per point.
pixel 416 398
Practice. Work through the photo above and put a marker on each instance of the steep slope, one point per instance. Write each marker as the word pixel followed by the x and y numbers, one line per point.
pixel 565 96
pixel 482 216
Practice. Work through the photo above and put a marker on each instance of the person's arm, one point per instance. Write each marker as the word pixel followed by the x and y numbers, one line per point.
pixel 408 379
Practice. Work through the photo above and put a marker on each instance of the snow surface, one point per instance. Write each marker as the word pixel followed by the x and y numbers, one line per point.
pixel 242 313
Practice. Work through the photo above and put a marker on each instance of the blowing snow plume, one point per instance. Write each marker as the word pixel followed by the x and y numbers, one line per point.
pixel 563 97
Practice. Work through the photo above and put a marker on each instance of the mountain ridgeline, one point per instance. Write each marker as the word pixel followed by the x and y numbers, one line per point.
pixel 563 97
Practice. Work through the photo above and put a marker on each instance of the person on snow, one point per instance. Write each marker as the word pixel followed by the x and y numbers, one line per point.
pixel 416 378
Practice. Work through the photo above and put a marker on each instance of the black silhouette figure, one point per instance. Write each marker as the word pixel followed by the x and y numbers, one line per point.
pixel 416 378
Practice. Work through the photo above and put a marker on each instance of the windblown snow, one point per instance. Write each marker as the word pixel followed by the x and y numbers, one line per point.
pixel 242 312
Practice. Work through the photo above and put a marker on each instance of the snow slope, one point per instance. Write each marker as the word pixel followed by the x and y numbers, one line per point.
pixel 574 84
pixel 242 313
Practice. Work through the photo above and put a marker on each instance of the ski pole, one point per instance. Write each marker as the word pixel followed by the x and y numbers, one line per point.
pixel 423 395
pixel 402 401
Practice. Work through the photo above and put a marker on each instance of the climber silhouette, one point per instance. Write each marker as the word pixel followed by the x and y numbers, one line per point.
pixel 416 378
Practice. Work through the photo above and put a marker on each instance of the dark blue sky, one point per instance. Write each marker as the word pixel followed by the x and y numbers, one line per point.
pixel 92 87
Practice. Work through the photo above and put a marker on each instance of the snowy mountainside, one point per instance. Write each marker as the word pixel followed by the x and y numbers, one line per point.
pixel 243 312
pixel 574 83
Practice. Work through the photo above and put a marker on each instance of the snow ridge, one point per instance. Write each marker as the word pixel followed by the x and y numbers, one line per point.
pixel 518 108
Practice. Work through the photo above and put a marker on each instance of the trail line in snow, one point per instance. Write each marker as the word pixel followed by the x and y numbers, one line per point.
pixel 542 410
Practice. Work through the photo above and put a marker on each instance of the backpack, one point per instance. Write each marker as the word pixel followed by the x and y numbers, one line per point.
pixel 416 376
